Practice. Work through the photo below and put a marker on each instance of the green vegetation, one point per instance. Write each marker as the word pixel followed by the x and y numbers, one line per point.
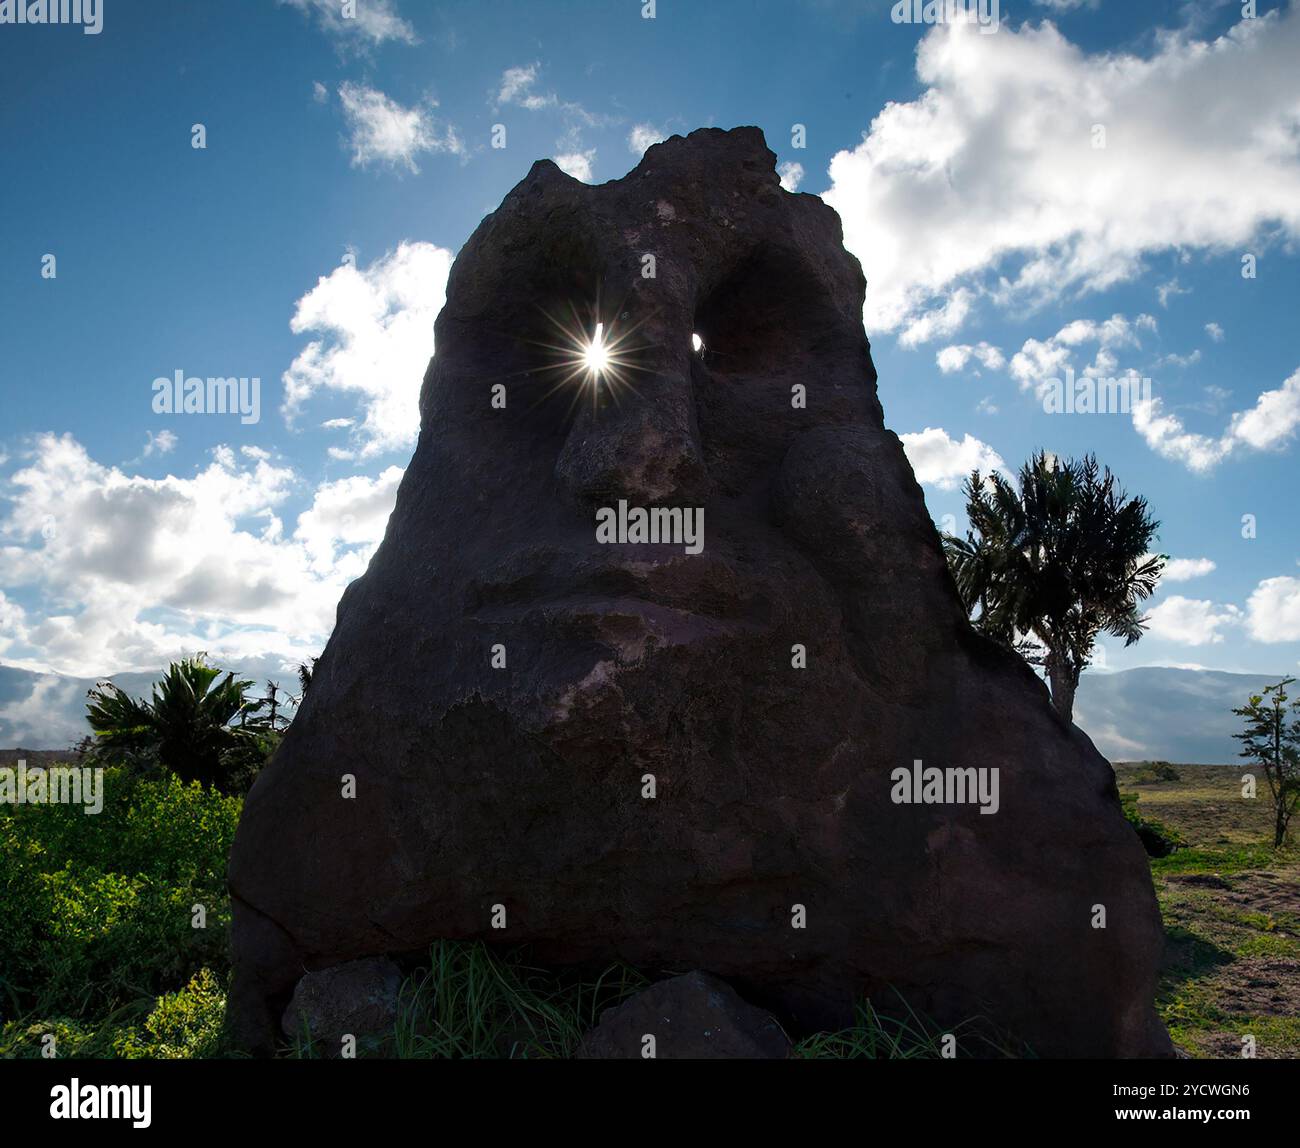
pixel 1046 568
pixel 1231 907
pixel 1273 743
pixel 1153 772
pixel 1157 838
pixel 904 1034
pixel 197 724
pixel 471 1002
pixel 98 943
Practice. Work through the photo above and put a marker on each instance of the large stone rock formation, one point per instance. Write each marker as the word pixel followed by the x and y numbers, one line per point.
pixel 525 786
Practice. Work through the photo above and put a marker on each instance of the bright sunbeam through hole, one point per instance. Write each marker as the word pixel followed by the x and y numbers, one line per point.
pixel 596 355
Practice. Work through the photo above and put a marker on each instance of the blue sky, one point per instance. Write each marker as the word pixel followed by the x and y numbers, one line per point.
pixel 348 159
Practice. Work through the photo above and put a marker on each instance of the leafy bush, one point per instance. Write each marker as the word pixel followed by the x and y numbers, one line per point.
pixel 1152 772
pixel 182 1025
pixel 96 910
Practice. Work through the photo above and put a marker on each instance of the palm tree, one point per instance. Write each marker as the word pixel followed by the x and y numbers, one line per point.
pixel 187 725
pixel 306 671
pixel 1055 563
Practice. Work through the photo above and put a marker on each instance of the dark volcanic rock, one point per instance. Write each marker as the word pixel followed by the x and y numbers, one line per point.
pixel 522 787
pixel 357 999
pixel 693 1017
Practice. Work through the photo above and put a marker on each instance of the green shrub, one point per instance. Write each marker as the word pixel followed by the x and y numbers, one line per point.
pixel 1153 772
pixel 183 1025
pixel 96 910
pixel 1157 838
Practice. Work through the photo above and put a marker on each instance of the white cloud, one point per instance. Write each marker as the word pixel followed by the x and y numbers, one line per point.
pixel 164 442
pixel 941 461
pixel 955 358
pixel 939 323
pixel 319 92
pixel 1185 569
pixel 643 136
pixel 13 623
pixel 1175 360
pixel 352 512
pixel 1273 610
pixel 1214 331
pixel 383 131
pixel 791 175
pixel 988 180
pixel 1269 425
pixel 1166 291
pixel 375 339
pixel 517 88
pixel 1040 360
pixel 1191 621
pixel 130 571
pixel 374 22
pixel 577 164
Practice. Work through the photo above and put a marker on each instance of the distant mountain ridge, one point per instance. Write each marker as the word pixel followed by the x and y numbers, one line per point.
pixel 1157 713
pixel 1149 713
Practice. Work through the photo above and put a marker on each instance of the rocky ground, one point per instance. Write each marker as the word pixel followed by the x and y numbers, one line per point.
pixel 1231 908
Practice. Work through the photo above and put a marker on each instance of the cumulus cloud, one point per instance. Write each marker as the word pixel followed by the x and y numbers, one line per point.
pixel 940 322
pixel 1185 569
pixel 517 87
pixel 1191 621
pixel 374 329
pixel 164 442
pixel 989 182
pixel 955 358
pixel 1041 360
pixel 577 164
pixel 128 572
pixel 374 21
pixel 382 131
pixel 1214 331
pixel 1273 611
pixel 941 461
pixel 791 175
pixel 643 136
pixel 1269 425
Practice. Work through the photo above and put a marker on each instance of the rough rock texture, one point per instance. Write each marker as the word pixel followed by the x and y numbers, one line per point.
pixel 692 1017
pixel 522 786
pixel 358 998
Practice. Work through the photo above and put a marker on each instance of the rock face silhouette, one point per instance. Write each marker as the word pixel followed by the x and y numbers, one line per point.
pixel 687 760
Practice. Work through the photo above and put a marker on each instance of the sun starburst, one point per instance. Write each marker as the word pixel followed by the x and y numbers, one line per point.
pixel 593 357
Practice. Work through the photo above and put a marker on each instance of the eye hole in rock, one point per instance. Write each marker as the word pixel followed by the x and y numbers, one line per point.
pixel 762 316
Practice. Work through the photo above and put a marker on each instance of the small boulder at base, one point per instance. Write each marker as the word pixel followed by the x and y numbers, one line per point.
pixel 692 1017
pixel 358 999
